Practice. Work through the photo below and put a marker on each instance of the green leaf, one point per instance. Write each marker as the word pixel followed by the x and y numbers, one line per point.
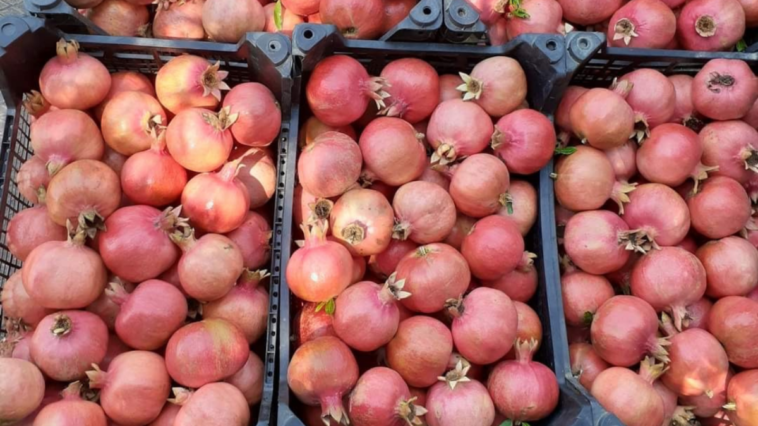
pixel 507 423
pixel 516 10
pixel 741 45
pixel 509 207
pixel 567 150
pixel 587 318
pixel 525 424
pixel 278 15
pixel 320 306
pixel 331 306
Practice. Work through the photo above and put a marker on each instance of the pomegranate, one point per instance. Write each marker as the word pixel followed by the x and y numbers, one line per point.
pixel 73 80
pixel 115 348
pixel 385 263
pixel 458 129
pixel 189 81
pixel 179 20
pixel 624 330
pixel 461 228
pixel 731 146
pixel 457 400
pixel 259 116
pixel 66 343
pixel 72 410
pixel 124 81
pixel 623 160
pixel 733 322
pixel 585 12
pixel 731 265
pixel 84 192
pixel 646 24
pixel 684 111
pixel 354 19
pixel 589 123
pixel 227 21
pixel 414 88
pixel 132 121
pixel 362 219
pixel 199 139
pixel 494 247
pixel 23 389
pixel 563 113
pixel 420 350
pixel 63 136
pixel 214 404
pixel 489 10
pixel 433 274
pixel 320 373
pixel 672 143
pixel 583 294
pixel 652 97
pixel 330 165
pixel 245 306
pixel 17 303
pixel 497 84
pixel 249 379
pixel 519 284
pixel 31 177
pixel 698 313
pixel 595 241
pixel 205 351
pixel 479 185
pixel 710 25
pixel 630 396
pixel 167 415
pixel 520 205
pixel 310 324
pixel 107 309
pixel 253 238
pixel 395 11
pixel 285 23
pixel 302 7
pixel 35 104
pixel 29 229
pixel 742 392
pixel 586 364
pixel 153 177
pixel 524 140
pixel 657 216
pixel 724 89
pixel 313 128
pixel 392 151
pixel 721 208
pixel 331 89
pixel 425 213
pixel 448 87
pixel 121 18
pixel 523 390
pixel 542 16
pixel 258 173
pixel 381 398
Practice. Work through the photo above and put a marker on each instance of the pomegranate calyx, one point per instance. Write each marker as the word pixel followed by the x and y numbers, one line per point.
pixel 212 81
pixel 638 240
pixel 455 307
pixel 89 222
pixel 401 230
pixel 681 316
pixel 184 237
pixel 394 288
pixel 622 87
pixel 456 375
pixel 693 123
pixel 353 233
pixel 153 124
pixel 705 26
pixel 163 4
pixel 567 265
pixel 375 89
pixel 181 396
pixel 395 109
pixel 658 350
pixel 54 164
pixel 650 370
pixel 367 178
pixel 315 232
pixel 472 87
pixel 667 325
pixel 170 220
pixel 61 325
pixel 41 195
pixel 253 278
pixel 624 30
pixel 717 81
pixel 750 156
pixel 320 210
pixel 525 349
pixel 498 139
pixel 73 391
pixel 67 51
pixel 731 406
pixel 443 155
pixel 503 199
pixel 620 193
pixel 683 416
pixel 34 103
pixel 97 377
pixel 221 120
pixel 411 412
pixel 332 409
pixel 701 174
pixel 641 129
pixel 424 251
pixel 527 261
pixel 117 292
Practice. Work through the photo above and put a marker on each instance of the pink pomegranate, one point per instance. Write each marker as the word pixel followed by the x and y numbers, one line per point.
pixel 724 89
pixel 710 25
pixel 630 396
pixel 583 294
pixel 720 208
pixel 734 322
pixel 330 165
pixel 458 129
pixel 381 398
pixel 493 247
pixel 455 400
pixel 595 241
pixel 657 216
pixel 413 86
pixel 420 350
pixel 732 146
pixel 433 274
pixel 497 84
pixel 589 122
pixel 646 24
pixel 672 143
pixel 524 140
pixel 479 185
pixel 731 265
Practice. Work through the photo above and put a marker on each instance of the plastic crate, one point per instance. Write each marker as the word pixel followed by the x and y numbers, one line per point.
pixel 542 57
pixel 26 44
pixel 423 22
pixel 462 24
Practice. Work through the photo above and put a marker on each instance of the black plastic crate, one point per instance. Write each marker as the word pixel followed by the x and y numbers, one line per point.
pixel 25 46
pixel 462 24
pixel 423 22
pixel 542 57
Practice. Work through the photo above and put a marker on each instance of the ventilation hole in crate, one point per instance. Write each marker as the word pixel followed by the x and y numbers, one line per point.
pixel 584 43
pixel 274 45
pixel 308 34
pixel 551 45
pixel 461 11
pixel 427 10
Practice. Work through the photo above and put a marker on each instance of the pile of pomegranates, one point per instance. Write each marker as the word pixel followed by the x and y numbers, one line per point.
pixel 145 249
pixel 700 25
pixel 659 286
pixel 412 277
pixel 227 21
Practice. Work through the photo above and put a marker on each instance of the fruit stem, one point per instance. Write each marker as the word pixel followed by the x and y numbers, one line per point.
pixel 472 87
pixel 525 349
pixel 97 377
pixel 67 52
pixel 705 26
pixel 61 325
pixel 184 237
pixel 117 293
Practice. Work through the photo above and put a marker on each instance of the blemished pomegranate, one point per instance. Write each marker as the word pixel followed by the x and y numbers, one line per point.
pixel 189 81
pixel 479 185
pixel 590 125
pixel 330 165
pixel 29 229
pixel 585 180
pixel 245 306
pixel 209 266
pixel 354 19
pixel 524 140
pixel 214 404
pixel 320 372
pixel 669 279
pixel 594 241
pixel 227 21
pixel 413 86
pixel 381 398
pixel 199 139
pixel 672 143
pixel 586 365
pixel 140 234
pixel 73 80
pixel 458 129
pixel 31 177
pixel 259 116
pixel 742 392
pixel 72 410
pixel 484 325
pixel 121 18
pixel 249 379
pixel 420 350
pixel 731 265
pixel 646 24
pixel 720 208
pixel 733 321
pixel 523 390
pixel 253 238
pixel 23 389
pixel 424 213
pixel 65 344
pixel 732 146
pixel 724 89
pixel 63 136
pixel 392 151
pixel 710 25
pixel 493 247
pixel 310 324
pixel 631 396
pixel 134 388
pixel 362 219
pixel 340 89
pixel 583 294
pixel 179 21
pixel 624 331
pixel 433 273
pixel 455 399
pixel 204 352
pixel 149 315
pixel 497 84
pixel 657 216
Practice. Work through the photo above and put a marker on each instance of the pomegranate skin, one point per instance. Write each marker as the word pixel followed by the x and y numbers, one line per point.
pixel 659 212
pixel 734 322
pixel 420 350
pixel 214 404
pixel 123 81
pixel 458 129
pixel 63 136
pixel 699 313
pixel 254 240
pixel 730 145
pixel 189 81
pixel 591 240
pixel 698 363
pixel 249 379
pixel 413 87
pixel 484 325
pixel 721 208
pixel 362 221
pixel 545 16
pixel 227 21
pixel 629 396
pixel 586 364
pixel 563 113
pixel 392 151
pixel 724 89
pixel 731 265
pixel 31 228
pixel 379 398
pixel 71 410
pixel 424 213
pixel 468 403
pixel 524 140
pixel 497 84
pixel 742 392
pixel 367 316
pixel 479 186
pixel 356 19
pixel 321 372
pixel 74 80
pixel 310 325
pixel 585 179
pixel 199 139
pixel 684 110
pixel 708 25
pixel 648 24
pixel 318 162
pixel 583 294
pixel 180 21
pixel 521 207
pixel 120 18
pixel 520 284
pixel 260 117
pixel 668 144
pixel 302 7
pixel 18 304
pixel 652 96
pixel 494 247
pixel 245 306
pixel 602 118
pixel 584 12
